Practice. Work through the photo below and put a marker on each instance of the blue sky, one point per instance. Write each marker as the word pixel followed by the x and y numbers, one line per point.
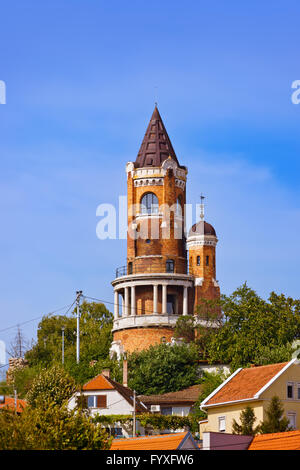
pixel 82 77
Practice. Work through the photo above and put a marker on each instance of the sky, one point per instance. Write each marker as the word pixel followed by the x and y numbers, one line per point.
pixel 82 77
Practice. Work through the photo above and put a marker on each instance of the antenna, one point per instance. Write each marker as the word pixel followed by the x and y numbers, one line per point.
pixel 155 95
pixel 202 207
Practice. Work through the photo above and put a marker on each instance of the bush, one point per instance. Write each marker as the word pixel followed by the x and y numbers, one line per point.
pixel 51 385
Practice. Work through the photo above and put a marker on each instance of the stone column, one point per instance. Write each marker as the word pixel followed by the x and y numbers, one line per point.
pixel 185 300
pixel 116 305
pixel 155 297
pixel 164 299
pixel 133 310
pixel 126 301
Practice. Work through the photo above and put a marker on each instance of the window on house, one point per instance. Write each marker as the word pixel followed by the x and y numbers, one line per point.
pixel 167 410
pixel 96 401
pixel 290 390
pixel 292 419
pixel 222 424
pixel 169 266
pixel 198 260
pixel 149 204
pixel 207 260
pixel 298 391
pixel 171 304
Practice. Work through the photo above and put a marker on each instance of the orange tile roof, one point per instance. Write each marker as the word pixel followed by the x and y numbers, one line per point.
pixel 246 383
pixel 9 403
pixel 189 395
pixel 98 383
pixel 277 441
pixel 161 442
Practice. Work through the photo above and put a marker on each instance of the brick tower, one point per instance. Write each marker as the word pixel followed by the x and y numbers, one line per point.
pixel 201 243
pixel 155 286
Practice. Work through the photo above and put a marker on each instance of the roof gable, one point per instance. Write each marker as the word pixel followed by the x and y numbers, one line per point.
pixel 246 384
pixel 98 383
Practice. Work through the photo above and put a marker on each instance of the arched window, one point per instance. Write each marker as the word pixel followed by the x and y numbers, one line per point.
pixel 198 260
pixel 170 266
pixel 149 204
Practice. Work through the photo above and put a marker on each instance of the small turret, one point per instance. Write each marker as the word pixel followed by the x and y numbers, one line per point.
pixel 201 243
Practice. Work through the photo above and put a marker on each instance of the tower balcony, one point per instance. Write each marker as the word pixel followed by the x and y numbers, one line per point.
pixel 165 265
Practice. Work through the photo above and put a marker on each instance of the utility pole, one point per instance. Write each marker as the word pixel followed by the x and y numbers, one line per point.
pixel 78 295
pixel 134 414
pixel 63 345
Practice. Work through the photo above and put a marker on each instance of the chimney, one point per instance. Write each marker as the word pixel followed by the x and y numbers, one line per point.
pixel 106 373
pixel 125 372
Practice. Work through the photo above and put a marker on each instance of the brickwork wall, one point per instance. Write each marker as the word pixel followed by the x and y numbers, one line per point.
pixel 154 240
pixel 142 338
pixel 208 290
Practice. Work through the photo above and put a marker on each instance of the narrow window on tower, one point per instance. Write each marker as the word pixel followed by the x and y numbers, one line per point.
pixel 169 266
pixel 178 207
pixel 130 268
pixel 198 260
pixel 207 260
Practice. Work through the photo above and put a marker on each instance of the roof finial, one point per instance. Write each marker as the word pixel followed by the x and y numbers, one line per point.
pixel 202 207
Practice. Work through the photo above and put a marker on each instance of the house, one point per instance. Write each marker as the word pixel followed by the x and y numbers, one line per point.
pixel 105 396
pixel 276 441
pixel 175 441
pixel 254 386
pixel 10 403
pixel 173 403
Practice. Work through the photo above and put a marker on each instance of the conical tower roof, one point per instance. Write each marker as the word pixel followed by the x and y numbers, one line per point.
pixel 156 146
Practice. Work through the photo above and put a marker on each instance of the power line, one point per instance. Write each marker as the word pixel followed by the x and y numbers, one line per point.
pixel 37 318
pixel 4 365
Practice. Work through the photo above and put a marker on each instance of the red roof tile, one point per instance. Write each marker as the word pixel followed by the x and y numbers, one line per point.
pixel 98 383
pixel 246 383
pixel 9 403
pixel 277 441
pixel 161 442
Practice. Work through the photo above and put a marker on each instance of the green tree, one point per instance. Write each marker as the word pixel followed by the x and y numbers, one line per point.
pixel 95 336
pixel 253 327
pixel 51 385
pixel 163 368
pixel 247 419
pixel 50 428
pixel 275 421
